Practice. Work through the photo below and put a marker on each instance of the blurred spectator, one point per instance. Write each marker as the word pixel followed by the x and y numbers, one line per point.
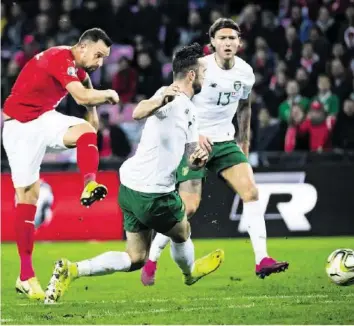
pixel 338 52
pixel 90 14
pixel 125 80
pixel 341 85
pixel 149 76
pixel 48 7
pixel 310 61
pixel 195 32
pixel 42 30
pixel 274 34
pixel 319 43
pixel 263 60
pixel 214 15
pixel 296 17
pixel 346 30
pixel 117 22
pixel 307 88
pixel 294 97
pixel 20 58
pixel 70 8
pixel 249 25
pixel 292 52
pixel 67 34
pixel 168 35
pixel 329 100
pixel 268 133
pixel 111 139
pixel 146 15
pixel 327 24
pixel 317 125
pixel 15 28
pixel 177 10
pixel 276 93
pixel 343 134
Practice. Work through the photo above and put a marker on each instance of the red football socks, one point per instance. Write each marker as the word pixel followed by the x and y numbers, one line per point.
pixel 24 225
pixel 87 156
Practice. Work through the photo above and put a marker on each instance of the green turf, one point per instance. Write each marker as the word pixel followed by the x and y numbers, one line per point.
pixel 232 295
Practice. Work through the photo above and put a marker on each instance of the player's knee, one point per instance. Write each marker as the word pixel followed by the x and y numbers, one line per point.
pixel 192 206
pixel 251 194
pixel 87 128
pixel 138 260
pixel 27 195
pixel 182 235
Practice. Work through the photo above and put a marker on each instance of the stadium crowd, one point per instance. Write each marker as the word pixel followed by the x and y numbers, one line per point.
pixel 302 55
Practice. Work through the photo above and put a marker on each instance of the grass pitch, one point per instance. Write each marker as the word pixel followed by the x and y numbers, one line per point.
pixel 231 295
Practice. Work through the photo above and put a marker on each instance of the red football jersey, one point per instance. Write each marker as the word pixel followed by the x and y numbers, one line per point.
pixel 41 84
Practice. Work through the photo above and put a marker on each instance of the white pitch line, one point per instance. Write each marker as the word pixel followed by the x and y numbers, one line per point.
pixel 162 310
pixel 260 297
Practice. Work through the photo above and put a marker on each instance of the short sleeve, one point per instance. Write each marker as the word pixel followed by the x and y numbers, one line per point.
pixel 81 74
pixel 162 112
pixel 63 70
pixel 248 84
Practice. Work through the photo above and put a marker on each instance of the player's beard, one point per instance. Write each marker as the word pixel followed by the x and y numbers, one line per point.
pixel 90 69
pixel 197 86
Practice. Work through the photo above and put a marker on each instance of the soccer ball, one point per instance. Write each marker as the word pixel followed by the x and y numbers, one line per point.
pixel 340 266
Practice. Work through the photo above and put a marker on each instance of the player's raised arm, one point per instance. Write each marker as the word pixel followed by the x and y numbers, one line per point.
pixel 146 108
pixel 90 97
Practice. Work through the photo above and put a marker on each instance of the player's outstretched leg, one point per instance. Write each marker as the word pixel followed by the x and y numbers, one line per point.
pixel 182 252
pixel 84 137
pixel 241 179
pixel 65 272
pixel 27 282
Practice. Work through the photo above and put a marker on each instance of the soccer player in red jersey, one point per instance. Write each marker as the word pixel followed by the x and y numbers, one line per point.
pixel 32 125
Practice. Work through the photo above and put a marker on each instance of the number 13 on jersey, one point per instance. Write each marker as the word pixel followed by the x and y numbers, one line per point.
pixel 224 98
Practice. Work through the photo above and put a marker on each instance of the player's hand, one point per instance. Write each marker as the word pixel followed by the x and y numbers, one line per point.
pixel 170 93
pixel 205 143
pixel 112 96
pixel 199 157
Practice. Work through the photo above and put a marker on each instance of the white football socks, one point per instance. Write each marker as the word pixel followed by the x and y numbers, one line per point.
pixel 158 245
pixel 107 263
pixel 183 255
pixel 254 219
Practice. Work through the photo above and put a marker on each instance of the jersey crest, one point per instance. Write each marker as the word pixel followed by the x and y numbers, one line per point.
pixel 237 85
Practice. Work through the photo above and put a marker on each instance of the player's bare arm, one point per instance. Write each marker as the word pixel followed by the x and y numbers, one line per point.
pixel 196 156
pixel 91 110
pixel 146 108
pixel 244 123
pixel 91 97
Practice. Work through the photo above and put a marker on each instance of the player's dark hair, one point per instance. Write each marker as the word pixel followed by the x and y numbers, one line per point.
pixel 223 23
pixel 94 35
pixel 186 59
